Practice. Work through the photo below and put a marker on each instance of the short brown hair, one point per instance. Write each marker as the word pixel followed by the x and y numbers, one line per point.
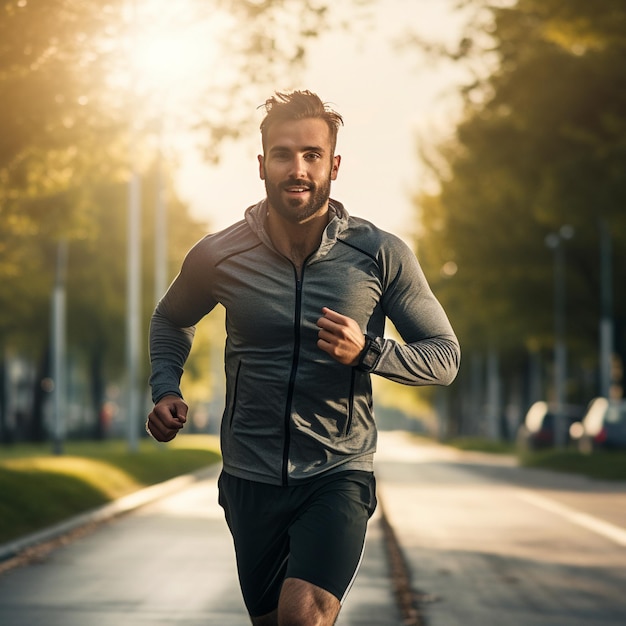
pixel 299 105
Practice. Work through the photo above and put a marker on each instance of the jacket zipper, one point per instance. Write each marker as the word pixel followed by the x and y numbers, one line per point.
pixel 292 375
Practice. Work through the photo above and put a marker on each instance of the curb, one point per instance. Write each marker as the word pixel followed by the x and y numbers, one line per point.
pixel 407 597
pixel 132 501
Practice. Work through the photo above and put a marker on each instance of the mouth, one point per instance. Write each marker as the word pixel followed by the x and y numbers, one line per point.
pixel 296 189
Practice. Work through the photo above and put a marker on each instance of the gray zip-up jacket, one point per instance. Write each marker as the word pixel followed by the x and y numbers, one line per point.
pixel 292 411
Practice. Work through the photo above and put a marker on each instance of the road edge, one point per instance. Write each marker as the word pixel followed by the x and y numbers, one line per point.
pixel 407 597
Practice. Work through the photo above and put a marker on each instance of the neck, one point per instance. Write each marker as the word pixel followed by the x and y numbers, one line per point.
pixel 296 240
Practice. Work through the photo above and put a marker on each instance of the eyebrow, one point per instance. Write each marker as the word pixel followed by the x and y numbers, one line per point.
pixel 280 148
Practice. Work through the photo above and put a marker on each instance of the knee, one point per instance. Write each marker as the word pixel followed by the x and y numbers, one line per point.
pixel 304 604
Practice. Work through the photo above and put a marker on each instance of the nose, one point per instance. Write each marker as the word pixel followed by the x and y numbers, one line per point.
pixel 298 167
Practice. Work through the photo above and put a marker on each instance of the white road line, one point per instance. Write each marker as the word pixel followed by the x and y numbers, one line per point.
pixel 610 531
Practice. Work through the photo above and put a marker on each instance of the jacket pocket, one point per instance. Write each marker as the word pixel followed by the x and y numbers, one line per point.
pixel 233 406
pixel 351 402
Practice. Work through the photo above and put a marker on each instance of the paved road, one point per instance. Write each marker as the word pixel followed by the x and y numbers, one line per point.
pixel 491 543
pixel 487 543
pixel 168 563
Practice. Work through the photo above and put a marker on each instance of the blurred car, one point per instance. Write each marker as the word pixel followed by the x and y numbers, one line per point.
pixel 537 430
pixel 603 426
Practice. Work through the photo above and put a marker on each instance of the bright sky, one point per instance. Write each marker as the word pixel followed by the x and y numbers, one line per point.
pixel 386 97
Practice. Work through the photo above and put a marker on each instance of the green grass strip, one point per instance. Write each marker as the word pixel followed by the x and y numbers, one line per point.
pixel 600 464
pixel 38 489
pixel 480 444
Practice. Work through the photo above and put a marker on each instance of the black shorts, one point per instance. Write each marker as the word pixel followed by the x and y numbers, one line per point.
pixel 314 531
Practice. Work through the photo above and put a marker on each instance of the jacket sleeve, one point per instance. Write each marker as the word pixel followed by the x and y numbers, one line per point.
pixel 429 353
pixel 169 348
pixel 172 326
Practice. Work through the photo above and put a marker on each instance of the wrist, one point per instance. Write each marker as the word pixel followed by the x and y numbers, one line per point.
pixel 368 359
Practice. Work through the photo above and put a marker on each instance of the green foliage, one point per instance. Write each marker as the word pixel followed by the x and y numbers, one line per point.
pixel 37 490
pixel 542 143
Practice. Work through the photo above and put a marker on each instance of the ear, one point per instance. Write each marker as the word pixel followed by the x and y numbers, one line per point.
pixel 261 169
pixel 335 167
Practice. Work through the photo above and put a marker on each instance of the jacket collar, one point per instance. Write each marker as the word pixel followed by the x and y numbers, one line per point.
pixel 255 217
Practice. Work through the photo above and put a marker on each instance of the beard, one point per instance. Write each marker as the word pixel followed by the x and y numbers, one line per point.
pixel 297 210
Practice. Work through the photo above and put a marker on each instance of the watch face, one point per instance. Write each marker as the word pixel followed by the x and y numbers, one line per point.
pixel 369 358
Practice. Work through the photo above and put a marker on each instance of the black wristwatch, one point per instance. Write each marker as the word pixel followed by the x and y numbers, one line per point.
pixel 369 355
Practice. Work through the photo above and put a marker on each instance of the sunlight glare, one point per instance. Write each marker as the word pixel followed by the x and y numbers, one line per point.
pixel 173 50
pixel 161 60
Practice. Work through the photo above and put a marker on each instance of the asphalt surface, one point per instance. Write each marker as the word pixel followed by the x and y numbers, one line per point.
pixel 488 542
pixel 485 542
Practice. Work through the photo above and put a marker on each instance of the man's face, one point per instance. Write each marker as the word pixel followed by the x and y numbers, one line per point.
pixel 297 167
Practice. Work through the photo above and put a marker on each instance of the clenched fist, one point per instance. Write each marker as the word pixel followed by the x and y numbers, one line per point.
pixel 166 418
pixel 340 336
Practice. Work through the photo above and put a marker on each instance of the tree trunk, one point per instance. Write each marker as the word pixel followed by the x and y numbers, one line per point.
pixel 37 430
pixel 98 386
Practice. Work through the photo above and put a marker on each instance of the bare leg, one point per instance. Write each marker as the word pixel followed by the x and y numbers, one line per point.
pixel 304 604
pixel 301 604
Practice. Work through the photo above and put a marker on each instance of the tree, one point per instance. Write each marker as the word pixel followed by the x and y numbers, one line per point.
pixel 542 143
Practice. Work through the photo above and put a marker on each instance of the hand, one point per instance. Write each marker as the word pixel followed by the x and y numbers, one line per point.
pixel 340 336
pixel 166 418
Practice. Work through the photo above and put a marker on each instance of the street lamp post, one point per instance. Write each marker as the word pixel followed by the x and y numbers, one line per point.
pixel 133 308
pixel 606 315
pixel 555 242
pixel 59 364
pixel 133 268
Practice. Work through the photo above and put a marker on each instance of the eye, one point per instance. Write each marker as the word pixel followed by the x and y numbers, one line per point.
pixel 313 156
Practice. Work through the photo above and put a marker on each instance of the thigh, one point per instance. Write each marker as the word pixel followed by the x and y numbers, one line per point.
pixel 259 526
pixel 328 536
